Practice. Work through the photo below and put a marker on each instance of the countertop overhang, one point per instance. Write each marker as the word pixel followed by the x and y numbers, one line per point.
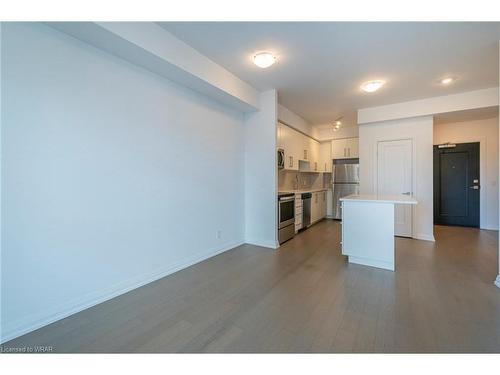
pixel 373 198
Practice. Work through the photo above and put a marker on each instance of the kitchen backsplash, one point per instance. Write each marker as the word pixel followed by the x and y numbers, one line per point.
pixel 292 180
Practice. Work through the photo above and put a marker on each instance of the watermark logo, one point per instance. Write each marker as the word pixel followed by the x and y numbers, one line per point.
pixel 27 349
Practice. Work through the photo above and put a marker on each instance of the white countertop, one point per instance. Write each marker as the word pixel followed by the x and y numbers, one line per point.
pixel 396 199
pixel 300 191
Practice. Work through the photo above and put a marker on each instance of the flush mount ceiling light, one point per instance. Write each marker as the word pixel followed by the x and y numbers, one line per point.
pixel 447 80
pixel 264 59
pixel 372 86
pixel 337 124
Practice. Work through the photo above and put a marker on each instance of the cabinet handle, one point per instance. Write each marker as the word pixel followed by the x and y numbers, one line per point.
pixel 315 166
pixel 325 167
pixel 344 151
pixel 291 161
pixel 349 152
pixel 305 154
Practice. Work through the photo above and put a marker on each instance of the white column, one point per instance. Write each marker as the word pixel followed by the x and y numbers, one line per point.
pixel 261 177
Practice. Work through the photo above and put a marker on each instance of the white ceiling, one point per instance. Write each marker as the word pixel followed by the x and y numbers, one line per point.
pixel 321 65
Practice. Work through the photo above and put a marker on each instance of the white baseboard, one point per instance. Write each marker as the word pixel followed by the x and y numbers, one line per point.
pixel 32 322
pixel 263 243
pixel 424 237
pixel 497 281
pixel 489 228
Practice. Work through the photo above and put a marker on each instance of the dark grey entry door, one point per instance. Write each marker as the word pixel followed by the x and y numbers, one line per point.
pixel 456 185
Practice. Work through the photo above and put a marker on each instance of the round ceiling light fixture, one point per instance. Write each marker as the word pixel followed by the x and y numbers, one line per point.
pixel 447 80
pixel 372 86
pixel 264 59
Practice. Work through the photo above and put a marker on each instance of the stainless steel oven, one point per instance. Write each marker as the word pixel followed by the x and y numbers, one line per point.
pixel 286 217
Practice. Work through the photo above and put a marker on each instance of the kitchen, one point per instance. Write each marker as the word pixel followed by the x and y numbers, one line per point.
pixel 135 179
pixel 312 177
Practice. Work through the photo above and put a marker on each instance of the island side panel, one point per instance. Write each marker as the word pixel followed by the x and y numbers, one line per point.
pixel 368 233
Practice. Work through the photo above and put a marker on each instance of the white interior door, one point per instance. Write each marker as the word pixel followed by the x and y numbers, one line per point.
pixel 394 177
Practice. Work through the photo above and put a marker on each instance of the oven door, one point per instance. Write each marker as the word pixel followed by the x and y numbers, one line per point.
pixel 286 214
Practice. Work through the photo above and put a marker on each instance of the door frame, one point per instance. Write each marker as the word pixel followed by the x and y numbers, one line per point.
pixel 482 175
pixel 376 142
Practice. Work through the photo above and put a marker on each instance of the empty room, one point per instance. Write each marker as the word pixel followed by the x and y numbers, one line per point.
pixel 249 187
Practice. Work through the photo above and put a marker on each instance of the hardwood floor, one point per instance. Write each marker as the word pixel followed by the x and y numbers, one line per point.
pixel 304 297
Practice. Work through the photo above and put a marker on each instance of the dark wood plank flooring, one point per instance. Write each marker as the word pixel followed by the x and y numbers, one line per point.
pixel 304 297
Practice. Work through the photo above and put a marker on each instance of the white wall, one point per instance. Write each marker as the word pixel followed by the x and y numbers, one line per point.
pixel 261 180
pixel 486 132
pixel 150 46
pixel 430 106
pixel 418 129
pixel 111 176
pixel 295 121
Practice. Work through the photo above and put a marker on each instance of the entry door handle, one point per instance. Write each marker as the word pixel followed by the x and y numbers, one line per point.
pixel 407 193
pixel 475 187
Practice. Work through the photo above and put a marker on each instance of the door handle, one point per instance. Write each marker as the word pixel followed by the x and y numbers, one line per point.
pixel 407 193
pixel 475 187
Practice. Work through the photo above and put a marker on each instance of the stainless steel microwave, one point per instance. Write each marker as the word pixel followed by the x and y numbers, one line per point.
pixel 281 158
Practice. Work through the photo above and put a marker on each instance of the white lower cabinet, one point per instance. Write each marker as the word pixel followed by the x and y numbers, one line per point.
pixel 298 212
pixel 318 206
pixel 323 204
pixel 315 207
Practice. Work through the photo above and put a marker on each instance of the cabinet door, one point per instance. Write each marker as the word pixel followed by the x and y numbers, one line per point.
pixel 289 141
pixel 314 155
pixel 325 161
pixel 296 140
pixel 279 137
pixel 305 148
pixel 339 149
pixel 329 203
pixel 315 207
pixel 353 147
pixel 323 204
pixel 345 148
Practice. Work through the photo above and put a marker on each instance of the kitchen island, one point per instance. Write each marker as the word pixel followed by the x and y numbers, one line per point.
pixel 368 228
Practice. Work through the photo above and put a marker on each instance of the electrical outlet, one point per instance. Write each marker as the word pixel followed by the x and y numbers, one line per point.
pixel 218 234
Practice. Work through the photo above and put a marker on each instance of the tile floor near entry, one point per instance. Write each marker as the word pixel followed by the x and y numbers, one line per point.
pixel 304 298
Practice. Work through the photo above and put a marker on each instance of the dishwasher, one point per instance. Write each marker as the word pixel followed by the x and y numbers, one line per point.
pixel 306 210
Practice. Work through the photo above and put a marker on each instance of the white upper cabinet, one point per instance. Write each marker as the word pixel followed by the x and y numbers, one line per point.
pixel 289 146
pixel 279 136
pixel 325 159
pixel 313 154
pixel 298 146
pixel 353 147
pixel 345 148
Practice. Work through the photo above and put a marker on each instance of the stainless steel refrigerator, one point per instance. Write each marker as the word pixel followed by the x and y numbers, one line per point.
pixel 345 182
